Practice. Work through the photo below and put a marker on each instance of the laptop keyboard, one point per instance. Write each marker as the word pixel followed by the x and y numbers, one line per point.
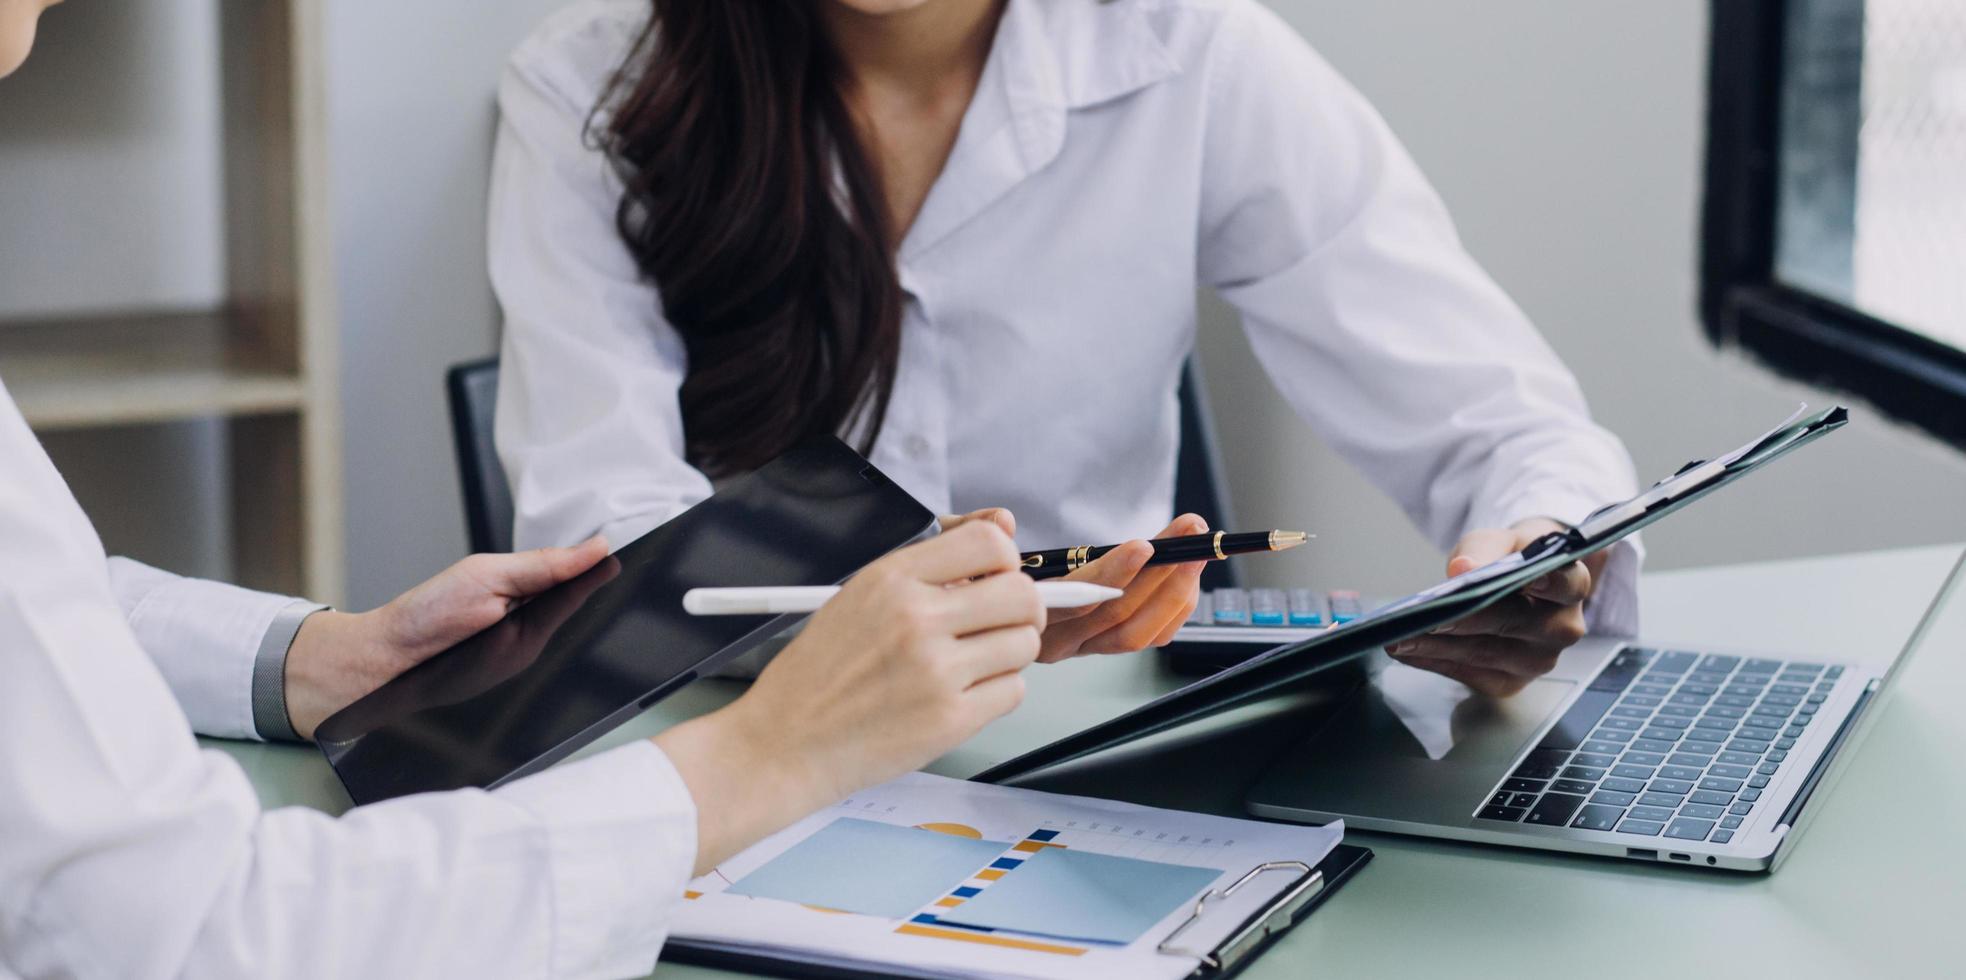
pixel 1666 743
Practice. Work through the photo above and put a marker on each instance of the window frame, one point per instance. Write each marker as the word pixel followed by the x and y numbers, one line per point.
pixel 1743 306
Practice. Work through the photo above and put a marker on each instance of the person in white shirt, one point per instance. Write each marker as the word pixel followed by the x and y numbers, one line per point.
pixel 127 852
pixel 968 234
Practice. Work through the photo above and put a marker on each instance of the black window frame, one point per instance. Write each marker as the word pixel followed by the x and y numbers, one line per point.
pixel 1743 305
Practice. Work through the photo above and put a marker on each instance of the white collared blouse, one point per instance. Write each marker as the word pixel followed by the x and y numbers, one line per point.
pixel 1117 157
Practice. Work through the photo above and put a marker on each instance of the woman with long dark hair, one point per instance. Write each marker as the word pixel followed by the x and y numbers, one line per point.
pixel 967 235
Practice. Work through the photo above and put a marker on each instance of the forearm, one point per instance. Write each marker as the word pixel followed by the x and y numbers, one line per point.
pixel 335 659
pixel 746 785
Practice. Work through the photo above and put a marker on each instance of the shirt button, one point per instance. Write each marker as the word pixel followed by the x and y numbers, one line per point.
pixel 917 446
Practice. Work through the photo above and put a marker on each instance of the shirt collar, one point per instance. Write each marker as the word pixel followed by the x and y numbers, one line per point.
pixel 1098 50
pixel 1049 57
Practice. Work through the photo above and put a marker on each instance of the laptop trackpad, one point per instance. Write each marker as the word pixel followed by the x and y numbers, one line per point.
pixel 1411 748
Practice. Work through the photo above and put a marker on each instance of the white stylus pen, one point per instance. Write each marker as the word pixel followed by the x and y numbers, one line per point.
pixel 767 600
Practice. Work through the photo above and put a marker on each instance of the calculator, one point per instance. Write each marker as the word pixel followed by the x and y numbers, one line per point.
pixel 1230 625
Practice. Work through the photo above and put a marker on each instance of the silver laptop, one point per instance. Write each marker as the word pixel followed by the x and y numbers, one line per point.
pixel 1628 749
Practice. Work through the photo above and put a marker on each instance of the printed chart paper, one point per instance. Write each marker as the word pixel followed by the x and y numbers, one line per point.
pixel 964 879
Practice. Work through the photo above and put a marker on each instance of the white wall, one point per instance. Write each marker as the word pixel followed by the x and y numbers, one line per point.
pixel 1568 139
pixel 410 101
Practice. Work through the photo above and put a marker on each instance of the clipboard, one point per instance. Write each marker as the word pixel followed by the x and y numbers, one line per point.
pixel 1257 933
pixel 1271 672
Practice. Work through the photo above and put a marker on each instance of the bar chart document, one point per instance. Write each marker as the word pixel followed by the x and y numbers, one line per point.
pixel 954 878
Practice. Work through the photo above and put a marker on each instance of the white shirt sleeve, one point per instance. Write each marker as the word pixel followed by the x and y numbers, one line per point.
pixel 130 853
pixel 1375 324
pixel 589 428
pixel 203 637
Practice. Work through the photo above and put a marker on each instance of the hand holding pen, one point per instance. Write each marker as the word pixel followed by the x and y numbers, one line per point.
pixel 1211 546
pixel 1157 599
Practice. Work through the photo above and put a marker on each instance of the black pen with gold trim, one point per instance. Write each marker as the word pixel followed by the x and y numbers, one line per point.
pixel 1213 546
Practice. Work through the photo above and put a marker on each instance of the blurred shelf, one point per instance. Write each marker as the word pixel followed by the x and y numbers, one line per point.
pixel 140 368
pixel 263 359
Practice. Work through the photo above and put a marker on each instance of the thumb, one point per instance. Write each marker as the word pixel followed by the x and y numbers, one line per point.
pixel 1478 548
pixel 527 573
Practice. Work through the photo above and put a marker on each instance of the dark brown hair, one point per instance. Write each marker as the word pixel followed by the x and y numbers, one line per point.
pixel 751 205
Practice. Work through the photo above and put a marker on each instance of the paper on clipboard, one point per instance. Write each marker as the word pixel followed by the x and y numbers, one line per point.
pixel 954 878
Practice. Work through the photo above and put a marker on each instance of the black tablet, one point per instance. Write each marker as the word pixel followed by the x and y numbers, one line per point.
pixel 580 659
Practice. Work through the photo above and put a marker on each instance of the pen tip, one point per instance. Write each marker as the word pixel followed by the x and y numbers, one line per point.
pixel 1281 540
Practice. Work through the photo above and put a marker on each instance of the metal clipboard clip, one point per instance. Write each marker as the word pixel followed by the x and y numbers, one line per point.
pixel 1275 917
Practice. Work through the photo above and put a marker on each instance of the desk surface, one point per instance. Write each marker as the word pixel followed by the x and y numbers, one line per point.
pixel 1874 883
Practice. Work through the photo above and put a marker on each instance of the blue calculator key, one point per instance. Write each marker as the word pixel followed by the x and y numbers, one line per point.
pixel 1231 607
pixel 1266 607
pixel 1345 606
pixel 1306 609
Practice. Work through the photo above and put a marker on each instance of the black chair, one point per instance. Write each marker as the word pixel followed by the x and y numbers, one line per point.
pixel 1200 485
pixel 473 388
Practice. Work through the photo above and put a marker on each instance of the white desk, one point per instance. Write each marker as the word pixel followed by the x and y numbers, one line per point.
pixel 1876 886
